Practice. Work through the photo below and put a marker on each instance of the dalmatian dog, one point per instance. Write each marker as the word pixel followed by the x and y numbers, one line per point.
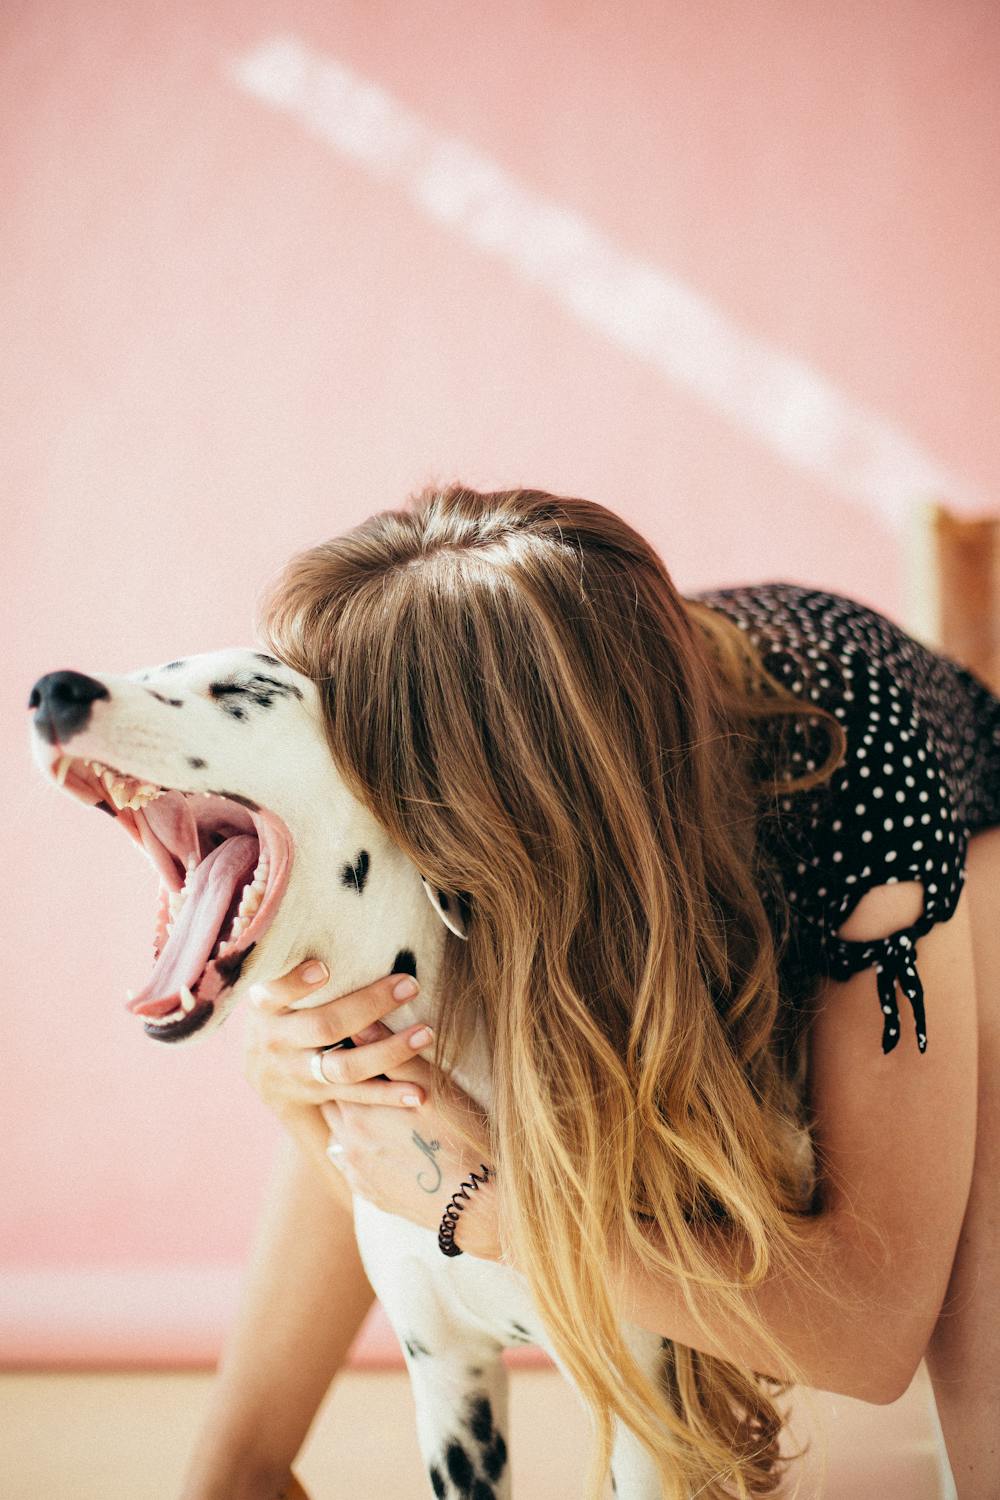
pixel 217 767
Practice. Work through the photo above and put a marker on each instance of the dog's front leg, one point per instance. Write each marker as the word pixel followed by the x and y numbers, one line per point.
pixel 460 1394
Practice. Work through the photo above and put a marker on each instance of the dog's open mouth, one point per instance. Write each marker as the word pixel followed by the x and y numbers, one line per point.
pixel 223 864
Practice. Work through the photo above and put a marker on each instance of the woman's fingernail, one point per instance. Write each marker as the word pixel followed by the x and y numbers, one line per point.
pixel 314 972
pixel 421 1038
pixel 413 1100
pixel 405 988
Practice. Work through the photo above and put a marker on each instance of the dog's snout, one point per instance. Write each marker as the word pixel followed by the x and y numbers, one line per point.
pixel 63 701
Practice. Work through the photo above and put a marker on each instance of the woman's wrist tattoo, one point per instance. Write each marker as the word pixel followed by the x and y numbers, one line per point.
pixel 428 1148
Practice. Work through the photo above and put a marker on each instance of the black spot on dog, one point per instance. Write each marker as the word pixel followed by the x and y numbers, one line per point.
pixel 415 1349
pixel 196 763
pixel 495 1457
pixel 272 661
pixel 482 1491
pixel 106 807
pixel 227 691
pixel 235 797
pixel 460 1470
pixel 519 1333
pixel 231 966
pixel 260 690
pixel 481 1419
pixel 443 898
pixel 171 702
pixel 273 682
pixel 357 873
pixel 475 1372
pixel 172 664
pixel 437 1483
pixel 614 1483
pixel 404 963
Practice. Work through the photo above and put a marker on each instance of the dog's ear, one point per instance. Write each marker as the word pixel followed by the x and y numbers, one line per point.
pixel 454 910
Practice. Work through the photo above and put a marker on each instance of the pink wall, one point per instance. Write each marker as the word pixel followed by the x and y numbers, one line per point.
pixel 731 270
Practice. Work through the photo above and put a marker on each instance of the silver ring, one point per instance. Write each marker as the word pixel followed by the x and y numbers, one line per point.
pixel 316 1067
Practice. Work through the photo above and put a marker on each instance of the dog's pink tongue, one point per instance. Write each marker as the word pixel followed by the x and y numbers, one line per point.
pixel 210 892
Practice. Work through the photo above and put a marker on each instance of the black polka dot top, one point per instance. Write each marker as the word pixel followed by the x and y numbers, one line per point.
pixel 920 775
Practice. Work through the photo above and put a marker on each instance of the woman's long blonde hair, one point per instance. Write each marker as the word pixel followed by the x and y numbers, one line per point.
pixel 513 685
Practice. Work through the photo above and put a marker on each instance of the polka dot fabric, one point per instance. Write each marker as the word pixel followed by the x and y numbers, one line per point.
pixel 920 775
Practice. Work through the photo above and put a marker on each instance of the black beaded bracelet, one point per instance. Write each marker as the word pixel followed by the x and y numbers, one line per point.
pixel 446 1233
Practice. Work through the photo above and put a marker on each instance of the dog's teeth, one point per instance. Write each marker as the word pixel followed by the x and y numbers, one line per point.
pixel 188 1002
pixel 144 794
pixel 252 896
pixel 119 794
pixel 175 1015
pixel 65 761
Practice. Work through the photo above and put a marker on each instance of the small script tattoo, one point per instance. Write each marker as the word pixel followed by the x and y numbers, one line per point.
pixel 428 1148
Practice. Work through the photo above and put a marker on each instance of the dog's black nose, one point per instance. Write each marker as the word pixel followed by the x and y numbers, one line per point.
pixel 63 702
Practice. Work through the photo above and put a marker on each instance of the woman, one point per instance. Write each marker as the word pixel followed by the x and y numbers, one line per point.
pixel 697 840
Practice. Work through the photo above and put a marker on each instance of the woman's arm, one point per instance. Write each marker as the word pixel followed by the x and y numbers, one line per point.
pixel 896 1136
pixel 304 1299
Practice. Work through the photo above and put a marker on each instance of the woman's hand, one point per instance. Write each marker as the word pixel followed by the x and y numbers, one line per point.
pixel 399 1151
pixel 411 1165
pixel 281 1044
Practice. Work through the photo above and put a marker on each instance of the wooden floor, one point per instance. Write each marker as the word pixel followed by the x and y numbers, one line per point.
pixel 127 1436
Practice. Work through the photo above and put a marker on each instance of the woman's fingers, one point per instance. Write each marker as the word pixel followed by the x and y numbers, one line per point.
pixel 279 993
pixel 345 1068
pixel 333 1020
pixel 286 1046
pixel 375 1091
